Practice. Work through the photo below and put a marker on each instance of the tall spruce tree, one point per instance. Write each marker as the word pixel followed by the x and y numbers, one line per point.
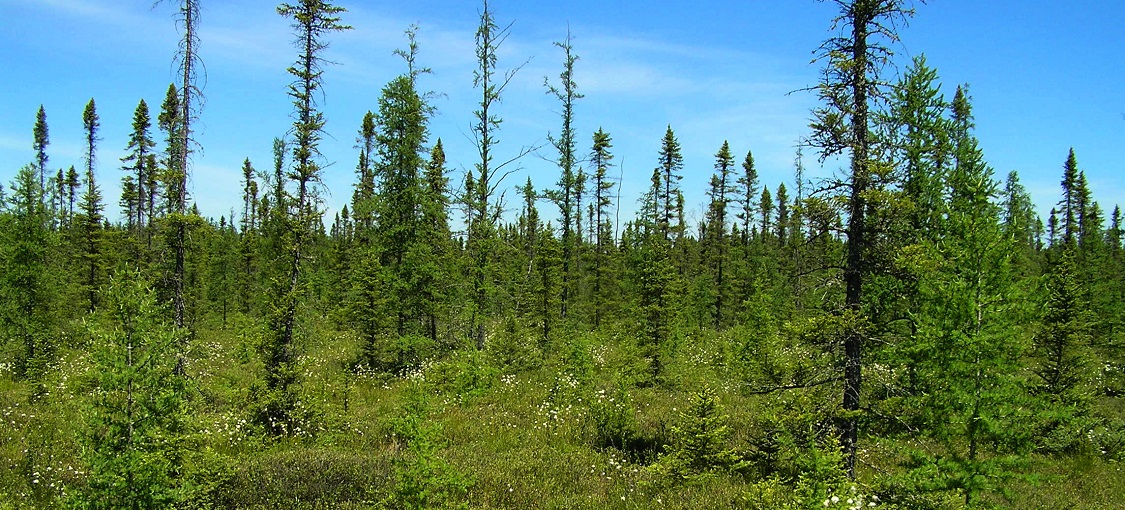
pixel 600 160
pixel 748 191
pixel 851 83
pixel 715 242
pixel 481 210
pixel 40 140
pixel 566 195
pixel 670 168
pixel 90 219
pixel 313 21
pixel 136 161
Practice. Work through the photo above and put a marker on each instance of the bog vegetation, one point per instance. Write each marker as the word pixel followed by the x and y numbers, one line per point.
pixel 910 334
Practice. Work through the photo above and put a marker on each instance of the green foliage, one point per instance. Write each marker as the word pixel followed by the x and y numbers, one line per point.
pixel 613 417
pixel 27 285
pixel 135 423
pixel 513 347
pixel 397 354
pixel 423 479
pixel 700 442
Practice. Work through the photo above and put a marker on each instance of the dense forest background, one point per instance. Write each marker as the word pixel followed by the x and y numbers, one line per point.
pixel 909 333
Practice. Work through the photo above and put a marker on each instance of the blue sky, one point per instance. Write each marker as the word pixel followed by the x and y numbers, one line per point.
pixel 1045 76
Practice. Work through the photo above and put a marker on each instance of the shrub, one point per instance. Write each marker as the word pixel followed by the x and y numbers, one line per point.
pixel 613 418
pixel 699 442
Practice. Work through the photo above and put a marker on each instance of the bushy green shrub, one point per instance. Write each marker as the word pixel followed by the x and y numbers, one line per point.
pixel 514 348
pixel 395 354
pixel 316 478
pixel 422 479
pixel 465 373
pixel 613 418
pixel 699 442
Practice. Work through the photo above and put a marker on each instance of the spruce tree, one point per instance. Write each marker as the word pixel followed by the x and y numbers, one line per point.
pixel 715 242
pixel 566 195
pixel 670 170
pixel 25 284
pixel 90 219
pixel 433 252
pixel 1069 205
pixel 748 191
pixel 853 62
pixel 481 210
pixel 40 140
pixel 136 419
pixel 313 20
pixel 600 159
pixel 136 161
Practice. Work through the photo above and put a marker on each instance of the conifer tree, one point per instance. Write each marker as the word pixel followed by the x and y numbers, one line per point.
pixel 364 194
pixel 917 111
pixel 670 167
pixel 567 196
pixel 481 210
pixel 313 20
pixel 137 160
pixel 1063 338
pixel 400 138
pixel 1069 205
pixel 136 419
pixel 40 140
pixel 250 232
pixel 765 207
pixel 25 285
pixel 748 191
pixel 72 185
pixel 433 251
pixel 187 104
pixel 853 62
pixel 600 159
pixel 90 219
pixel 1018 219
pixel 715 242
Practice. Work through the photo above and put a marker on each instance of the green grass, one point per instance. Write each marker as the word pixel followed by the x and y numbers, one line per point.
pixel 521 438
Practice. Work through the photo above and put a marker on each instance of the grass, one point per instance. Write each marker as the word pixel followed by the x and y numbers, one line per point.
pixel 522 438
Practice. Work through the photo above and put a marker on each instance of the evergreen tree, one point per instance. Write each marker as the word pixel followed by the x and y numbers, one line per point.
pixel 851 84
pixel 139 147
pixel 567 196
pixel 782 225
pixel 715 242
pixel 670 167
pixel 136 419
pixel 313 20
pixel 917 111
pixel 969 330
pixel 748 191
pixel 432 253
pixel 90 220
pixel 40 140
pixel 481 210
pixel 765 206
pixel 401 134
pixel 364 194
pixel 1018 218
pixel 1069 205
pixel 26 284
pixel 1063 338
pixel 250 232
pixel 600 159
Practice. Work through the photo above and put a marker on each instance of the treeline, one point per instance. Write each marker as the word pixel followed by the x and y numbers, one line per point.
pixel 921 286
